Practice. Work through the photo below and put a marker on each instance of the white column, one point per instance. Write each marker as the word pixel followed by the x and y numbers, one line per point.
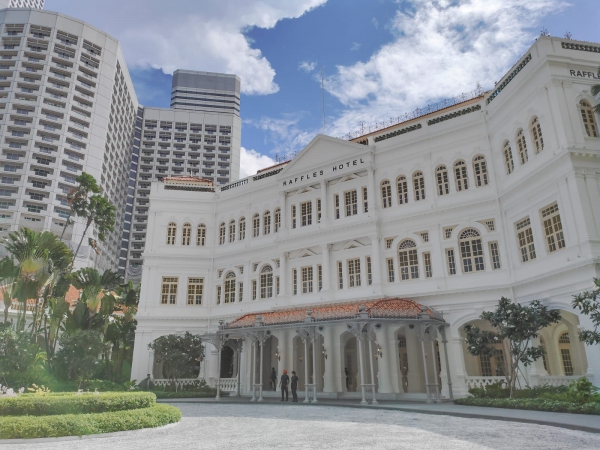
pixel 376 260
pixel 324 205
pixel 373 387
pixel 306 369
pixel 592 352
pixel 219 373
pixel 422 339
pixel 386 366
pixel 448 385
pixel 414 379
pixel 260 370
pixel 314 360
pixel 326 266
pixel 282 204
pixel 283 275
pixel 247 288
pixel 371 192
pixel 253 371
pixel 359 342
pixel 435 365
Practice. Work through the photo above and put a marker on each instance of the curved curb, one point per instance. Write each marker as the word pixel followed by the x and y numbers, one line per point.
pixel 465 415
pixel 86 436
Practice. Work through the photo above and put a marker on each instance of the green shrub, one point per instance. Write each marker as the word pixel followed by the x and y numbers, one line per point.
pixel 536 404
pixel 189 394
pixel 28 427
pixel 496 390
pixel 91 385
pixel 52 404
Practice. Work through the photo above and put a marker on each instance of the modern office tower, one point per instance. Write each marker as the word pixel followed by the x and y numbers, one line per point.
pixel 22 4
pixel 67 106
pixel 199 135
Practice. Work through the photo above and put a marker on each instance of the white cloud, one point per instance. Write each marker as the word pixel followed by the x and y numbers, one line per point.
pixel 183 34
pixel 251 161
pixel 283 135
pixel 355 46
pixel 307 66
pixel 441 49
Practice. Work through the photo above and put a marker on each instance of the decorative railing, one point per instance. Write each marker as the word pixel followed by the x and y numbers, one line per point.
pixel 178 384
pixel 558 380
pixel 479 382
pixel 228 384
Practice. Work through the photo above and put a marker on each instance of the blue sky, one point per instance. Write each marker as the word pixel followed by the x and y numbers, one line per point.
pixel 380 58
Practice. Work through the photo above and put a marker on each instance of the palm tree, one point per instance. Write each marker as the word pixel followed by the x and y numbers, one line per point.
pixel 78 197
pixel 100 212
pixel 9 273
pixel 96 289
pixel 41 258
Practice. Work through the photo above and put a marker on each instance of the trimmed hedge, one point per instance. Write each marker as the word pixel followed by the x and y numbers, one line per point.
pixel 536 404
pixel 47 405
pixel 29 427
pixel 188 394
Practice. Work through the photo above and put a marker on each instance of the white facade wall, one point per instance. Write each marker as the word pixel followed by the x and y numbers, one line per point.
pixel 549 86
pixel 67 105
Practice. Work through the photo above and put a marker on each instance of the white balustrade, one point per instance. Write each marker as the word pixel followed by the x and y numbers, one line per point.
pixel 479 382
pixel 558 380
pixel 228 384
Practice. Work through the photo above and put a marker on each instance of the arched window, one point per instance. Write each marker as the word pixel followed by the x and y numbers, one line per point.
pixel 508 158
pixel 564 345
pixel 589 120
pixel 266 282
pixel 460 174
pixel 480 170
pixel 267 222
pixel 441 175
pixel 536 135
pixel 386 194
pixel 186 234
pixel 232 231
pixel 229 288
pixel 522 146
pixel 409 262
pixel 419 185
pixel 201 235
pixel 222 233
pixel 255 225
pixel 402 186
pixel 242 229
pixel 471 250
pixel 171 233
pixel 277 219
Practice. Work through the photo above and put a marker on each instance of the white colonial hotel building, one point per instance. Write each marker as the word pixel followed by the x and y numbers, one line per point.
pixel 359 262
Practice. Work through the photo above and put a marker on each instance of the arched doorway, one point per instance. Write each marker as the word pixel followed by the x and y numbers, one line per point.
pixel 228 362
pixel 351 364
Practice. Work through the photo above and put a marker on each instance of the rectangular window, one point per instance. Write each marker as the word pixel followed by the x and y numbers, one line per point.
pixel 242 230
pixel 295 281
pixel 307 280
pixel 336 204
pixel 195 291
pixel 427 264
pixel 230 290
pixel 354 272
pixel 365 200
pixel 222 234
pixel 451 261
pixel 293 216
pixel 369 272
pixel 169 291
pixel 320 276
pixel 495 255
pixel 318 210
pixel 232 232
pixel 253 289
pixel 567 362
pixel 218 295
pixel 201 236
pixel 351 202
pixel 553 228
pixel 240 291
pixel 525 237
pixel 340 276
pixel 390 269
pixel 305 214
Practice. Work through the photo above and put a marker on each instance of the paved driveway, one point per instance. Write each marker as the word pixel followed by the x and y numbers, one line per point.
pixel 240 426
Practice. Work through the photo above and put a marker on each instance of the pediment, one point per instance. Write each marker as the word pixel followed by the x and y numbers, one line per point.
pixel 352 244
pixel 322 153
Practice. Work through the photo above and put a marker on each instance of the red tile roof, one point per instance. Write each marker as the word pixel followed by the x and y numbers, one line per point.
pixel 389 308
pixel 188 179
pixel 266 169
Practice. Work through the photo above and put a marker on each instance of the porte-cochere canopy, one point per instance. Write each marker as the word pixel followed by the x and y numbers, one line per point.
pixel 388 308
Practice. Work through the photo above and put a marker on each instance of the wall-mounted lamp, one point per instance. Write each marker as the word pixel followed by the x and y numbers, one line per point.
pixel 278 355
pixel 379 352
pixel 325 353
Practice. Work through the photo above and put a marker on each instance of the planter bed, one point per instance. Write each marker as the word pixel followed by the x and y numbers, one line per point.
pixel 535 404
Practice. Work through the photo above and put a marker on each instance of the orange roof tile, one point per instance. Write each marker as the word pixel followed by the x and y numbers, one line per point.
pixel 389 308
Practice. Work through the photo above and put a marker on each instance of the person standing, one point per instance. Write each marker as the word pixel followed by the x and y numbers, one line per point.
pixel 294 386
pixel 284 385
pixel 146 384
pixel 347 372
pixel 273 379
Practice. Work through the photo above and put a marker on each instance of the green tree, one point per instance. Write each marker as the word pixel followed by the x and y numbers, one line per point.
pixel 78 358
pixel 78 197
pixel 9 274
pixel 21 361
pixel 100 212
pixel 180 355
pixel 515 326
pixel 41 258
pixel 96 289
pixel 588 303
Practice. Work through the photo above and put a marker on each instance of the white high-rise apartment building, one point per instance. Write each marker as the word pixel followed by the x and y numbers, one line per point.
pixel 199 135
pixel 22 4
pixel 67 106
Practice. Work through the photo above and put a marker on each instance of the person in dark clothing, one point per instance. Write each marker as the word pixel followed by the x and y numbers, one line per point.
pixel 294 386
pixel 284 385
pixel 273 379
pixel 146 384
pixel 347 377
